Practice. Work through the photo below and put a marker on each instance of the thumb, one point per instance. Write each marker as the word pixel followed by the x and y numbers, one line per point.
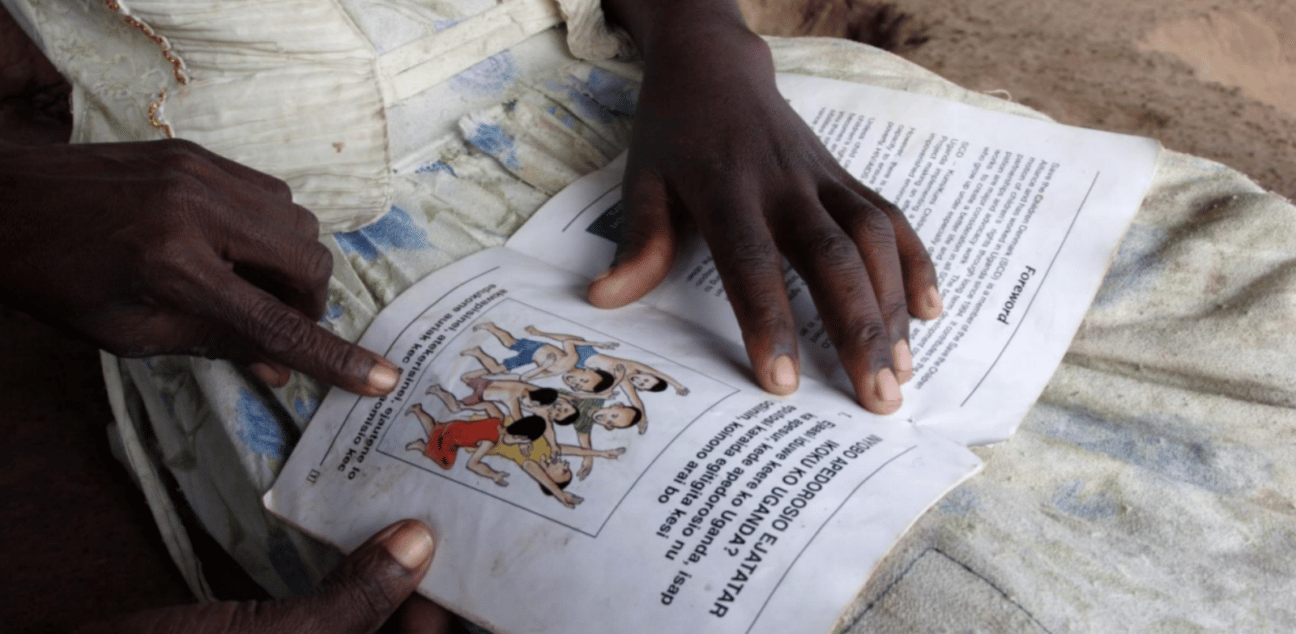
pixel 363 592
pixel 356 598
pixel 649 241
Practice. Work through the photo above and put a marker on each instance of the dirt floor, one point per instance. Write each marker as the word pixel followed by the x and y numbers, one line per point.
pixel 1215 78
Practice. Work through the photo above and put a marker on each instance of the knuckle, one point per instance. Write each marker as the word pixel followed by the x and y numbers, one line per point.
pixel 278 329
pixel 864 334
pixel 309 222
pixel 750 256
pixel 177 204
pixel 874 229
pixel 800 157
pixel 770 321
pixel 280 189
pixel 921 260
pixel 317 264
pixel 186 157
pixel 897 315
pixel 170 251
pixel 167 270
pixel 895 308
pixel 830 247
pixel 369 599
pixel 760 308
pixel 644 192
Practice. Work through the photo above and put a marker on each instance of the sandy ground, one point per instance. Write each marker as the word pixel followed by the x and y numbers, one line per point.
pixel 1215 78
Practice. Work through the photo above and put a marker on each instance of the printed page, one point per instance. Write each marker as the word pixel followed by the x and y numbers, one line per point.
pixel 606 471
pixel 1020 216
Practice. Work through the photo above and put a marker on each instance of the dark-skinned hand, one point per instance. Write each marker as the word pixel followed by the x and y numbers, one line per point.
pixel 370 586
pixel 716 146
pixel 164 247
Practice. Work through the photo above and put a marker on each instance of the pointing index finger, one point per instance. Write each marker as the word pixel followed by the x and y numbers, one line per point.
pixel 276 332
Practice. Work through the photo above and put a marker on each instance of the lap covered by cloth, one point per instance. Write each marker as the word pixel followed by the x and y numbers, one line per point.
pixel 1150 489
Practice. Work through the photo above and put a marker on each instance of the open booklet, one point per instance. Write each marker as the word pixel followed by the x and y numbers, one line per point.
pixel 595 471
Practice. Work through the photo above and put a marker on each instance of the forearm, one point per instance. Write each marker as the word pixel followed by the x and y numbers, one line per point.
pixel 700 48
pixel 652 21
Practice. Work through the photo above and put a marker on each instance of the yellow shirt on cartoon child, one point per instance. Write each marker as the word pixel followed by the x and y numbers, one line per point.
pixel 540 450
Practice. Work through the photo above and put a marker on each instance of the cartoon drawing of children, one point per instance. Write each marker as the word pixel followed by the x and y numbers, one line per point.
pixel 494 383
pixel 549 360
pixel 538 456
pixel 596 412
pixel 522 399
pixel 584 369
pixel 445 439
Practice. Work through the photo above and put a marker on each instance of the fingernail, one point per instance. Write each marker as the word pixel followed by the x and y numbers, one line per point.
pixel 785 374
pixel 610 293
pixel 411 545
pixel 264 372
pixel 383 377
pixel 903 359
pixel 933 303
pixel 888 389
pixel 613 289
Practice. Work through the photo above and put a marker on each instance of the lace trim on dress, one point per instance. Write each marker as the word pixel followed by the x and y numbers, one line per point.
pixel 178 67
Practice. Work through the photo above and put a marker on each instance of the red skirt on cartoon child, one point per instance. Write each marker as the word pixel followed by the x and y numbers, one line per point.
pixel 447 439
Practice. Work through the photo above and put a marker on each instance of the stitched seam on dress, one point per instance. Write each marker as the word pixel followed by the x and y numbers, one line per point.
pixel 178 67
pixel 155 115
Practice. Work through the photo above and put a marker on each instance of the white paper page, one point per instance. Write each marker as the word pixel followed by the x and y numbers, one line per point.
pixel 1020 216
pixel 704 523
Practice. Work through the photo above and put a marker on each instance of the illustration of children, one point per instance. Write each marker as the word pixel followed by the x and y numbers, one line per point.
pixel 584 369
pixel 596 412
pixel 494 383
pixel 619 416
pixel 524 444
pixel 522 399
pixel 445 439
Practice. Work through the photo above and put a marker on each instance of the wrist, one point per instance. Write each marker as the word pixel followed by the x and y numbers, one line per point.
pixel 655 25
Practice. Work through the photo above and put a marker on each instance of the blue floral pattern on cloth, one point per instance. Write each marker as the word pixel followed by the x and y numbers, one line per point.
pixel 489 77
pixel 395 230
pixel 258 428
pixel 305 407
pixel 1135 267
pixel 434 167
pixel 603 97
pixel 615 92
pixel 493 140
